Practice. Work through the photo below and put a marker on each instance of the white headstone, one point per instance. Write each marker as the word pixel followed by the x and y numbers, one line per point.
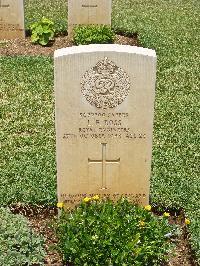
pixel 12 19
pixel 86 12
pixel 104 121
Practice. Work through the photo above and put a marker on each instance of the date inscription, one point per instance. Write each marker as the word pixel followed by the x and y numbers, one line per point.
pixel 104 126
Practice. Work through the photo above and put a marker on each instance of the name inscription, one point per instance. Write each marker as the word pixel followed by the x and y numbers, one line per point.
pixel 104 126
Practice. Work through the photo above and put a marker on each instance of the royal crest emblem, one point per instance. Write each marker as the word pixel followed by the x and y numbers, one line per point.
pixel 105 85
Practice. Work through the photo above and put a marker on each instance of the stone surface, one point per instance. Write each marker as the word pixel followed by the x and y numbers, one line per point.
pixel 104 121
pixel 88 12
pixel 11 19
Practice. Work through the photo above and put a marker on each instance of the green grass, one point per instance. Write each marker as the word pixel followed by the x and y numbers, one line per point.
pixel 52 9
pixel 171 27
pixel 27 135
pixel 55 10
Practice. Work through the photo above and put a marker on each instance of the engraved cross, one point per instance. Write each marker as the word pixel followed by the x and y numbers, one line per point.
pixel 104 161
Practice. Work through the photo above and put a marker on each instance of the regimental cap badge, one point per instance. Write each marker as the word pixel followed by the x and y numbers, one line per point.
pixel 105 85
pixel 105 67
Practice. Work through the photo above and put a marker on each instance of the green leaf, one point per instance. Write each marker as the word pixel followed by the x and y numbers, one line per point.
pixel 42 31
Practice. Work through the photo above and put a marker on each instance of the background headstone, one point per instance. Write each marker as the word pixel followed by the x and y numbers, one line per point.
pixel 88 12
pixel 12 19
pixel 104 121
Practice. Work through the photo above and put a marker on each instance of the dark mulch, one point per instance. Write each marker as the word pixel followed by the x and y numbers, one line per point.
pixel 41 219
pixel 25 47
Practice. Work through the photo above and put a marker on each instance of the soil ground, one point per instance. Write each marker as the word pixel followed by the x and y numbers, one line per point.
pixel 25 47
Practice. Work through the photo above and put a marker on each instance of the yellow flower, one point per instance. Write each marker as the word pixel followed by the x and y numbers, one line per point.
pixel 95 237
pixel 142 223
pixel 148 208
pixel 86 199
pixel 166 214
pixel 187 221
pixel 96 197
pixel 60 205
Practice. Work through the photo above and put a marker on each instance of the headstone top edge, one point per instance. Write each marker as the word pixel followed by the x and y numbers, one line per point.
pixel 104 48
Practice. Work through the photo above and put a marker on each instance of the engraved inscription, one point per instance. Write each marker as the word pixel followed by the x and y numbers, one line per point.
pixel 104 115
pixel 105 85
pixel 3 5
pixel 105 126
pixel 9 27
pixel 89 5
pixel 69 136
pixel 76 198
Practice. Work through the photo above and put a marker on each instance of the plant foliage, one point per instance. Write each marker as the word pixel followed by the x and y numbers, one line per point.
pixel 99 34
pixel 100 232
pixel 42 31
pixel 19 245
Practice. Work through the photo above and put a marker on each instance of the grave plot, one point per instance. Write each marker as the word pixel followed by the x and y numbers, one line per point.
pixel 28 174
